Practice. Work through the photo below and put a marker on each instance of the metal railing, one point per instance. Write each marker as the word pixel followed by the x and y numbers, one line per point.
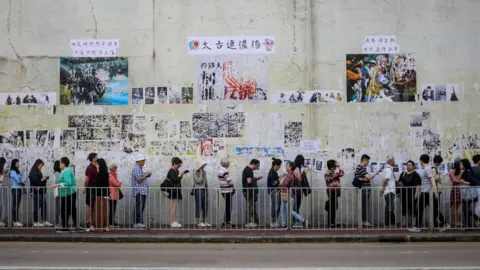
pixel 317 208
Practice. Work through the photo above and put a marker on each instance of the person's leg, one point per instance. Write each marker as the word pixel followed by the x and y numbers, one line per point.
pixel 422 203
pixel 43 207
pixel 36 205
pixel 273 206
pixel 436 213
pixel 404 204
pixel 256 220
pixel 105 213
pixel 57 210
pixel 138 208
pixel 73 209
pixel 111 212
pixel 198 199
pixel 295 214
pixel 204 204
pixel 228 207
pixel 247 208
pixel 364 204
pixel 283 213
pixel 331 207
pixel 392 210
pixel 16 197
pixel 144 203
pixel 63 211
pixel 173 211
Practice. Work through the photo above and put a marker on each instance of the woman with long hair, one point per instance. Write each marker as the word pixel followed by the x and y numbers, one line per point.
pixel 469 194
pixel 38 185
pixel 273 181
pixel 287 195
pixel 455 175
pixel 67 191
pixel 101 186
pixel 17 190
pixel 56 174
pixel 3 175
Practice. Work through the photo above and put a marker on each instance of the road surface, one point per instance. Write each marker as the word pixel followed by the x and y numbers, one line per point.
pixel 239 255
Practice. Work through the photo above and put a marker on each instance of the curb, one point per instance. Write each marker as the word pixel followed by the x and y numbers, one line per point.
pixel 240 239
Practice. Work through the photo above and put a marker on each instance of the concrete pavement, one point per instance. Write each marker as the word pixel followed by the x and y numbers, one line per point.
pixel 17 254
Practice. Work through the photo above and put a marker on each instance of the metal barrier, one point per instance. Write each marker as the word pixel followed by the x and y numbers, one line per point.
pixel 317 208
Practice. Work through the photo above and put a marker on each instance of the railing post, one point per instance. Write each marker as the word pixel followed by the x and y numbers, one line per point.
pixel 431 221
pixel 359 209
pixel 217 192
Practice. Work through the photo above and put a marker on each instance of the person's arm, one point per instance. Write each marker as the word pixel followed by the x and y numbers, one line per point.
pixel 34 179
pixel 386 177
pixel 286 182
pixel 433 182
pixel 463 179
pixel 249 177
pixel 297 174
pixel 340 173
pixel 15 178
pixel 198 177
pixel 113 181
pixel 139 176
pixel 369 177
pixel 174 176
pixel 456 179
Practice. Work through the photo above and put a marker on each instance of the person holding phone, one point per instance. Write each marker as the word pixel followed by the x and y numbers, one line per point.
pixel 140 190
pixel 174 175
pixel 38 184
pixel 17 190
pixel 250 193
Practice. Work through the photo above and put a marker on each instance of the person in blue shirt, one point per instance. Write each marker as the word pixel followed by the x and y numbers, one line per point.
pixel 17 190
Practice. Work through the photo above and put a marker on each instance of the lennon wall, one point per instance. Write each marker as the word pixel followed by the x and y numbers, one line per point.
pixel 312 41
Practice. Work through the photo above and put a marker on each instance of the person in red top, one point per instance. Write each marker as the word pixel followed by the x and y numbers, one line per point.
pixel 332 180
pixel 115 194
pixel 288 197
pixel 455 175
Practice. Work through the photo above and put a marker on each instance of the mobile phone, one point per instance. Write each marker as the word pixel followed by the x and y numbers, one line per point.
pixel 186 171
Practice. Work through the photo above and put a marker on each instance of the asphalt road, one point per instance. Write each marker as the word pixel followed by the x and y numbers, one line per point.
pixel 14 254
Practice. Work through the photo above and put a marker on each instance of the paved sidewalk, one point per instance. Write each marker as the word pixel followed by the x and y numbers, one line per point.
pixel 238 236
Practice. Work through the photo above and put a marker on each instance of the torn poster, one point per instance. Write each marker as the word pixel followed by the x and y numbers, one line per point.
pixel 206 147
pixel 258 151
pixel 212 125
pixel 231 45
pixel 346 157
pixel 97 81
pixel 185 130
pixel 309 146
pixel 233 78
pixel 420 120
pixel 306 97
pixel 293 134
pixel 28 98
pixel 381 77
pixel 440 92
pixel 431 142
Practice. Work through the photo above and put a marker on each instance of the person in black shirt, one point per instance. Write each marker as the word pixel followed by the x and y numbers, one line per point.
pixel 273 181
pixel 408 182
pixel 38 185
pixel 250 193
pixel 175 177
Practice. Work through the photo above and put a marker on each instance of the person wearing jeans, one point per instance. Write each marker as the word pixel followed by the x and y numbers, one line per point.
pixel 17 190
pixel 3 174
pixel 287 194
pixel 67 191
pixel 140 190
pixel 273 181
pixel 200 192
pixel 389 190
pixel 227 190
pixel 332 180
pixel 38 187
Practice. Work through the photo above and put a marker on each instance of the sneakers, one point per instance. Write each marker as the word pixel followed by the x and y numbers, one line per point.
pixel 274 225
pixel 2 224
pixel 114 225
pixel 367 224
pixel 47 224
pixel 304 224
pixel 251 225
pixel 176 225
pixel 297 225
pixel 445 227
pixel 37 225
pixel 139 226
pixel 414 229
pixel 207 224
pixel 17 224
pixel 201 225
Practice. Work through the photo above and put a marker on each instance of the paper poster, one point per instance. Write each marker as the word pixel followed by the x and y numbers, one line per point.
pixel 440 92
pixel 206 147
pixel 232 78
pixel 258 151
pixel 94 47
pixel 212 125
pixel 380 45
pixel 293 134
pixel 380 40
pixel 420 120
pixel 307 97
pixel 219 146
pixel 309 146
pixel 381 77
pixel 28 98
pixel 231 45
pixel 318 166
pixel 180 95
pixel 96 81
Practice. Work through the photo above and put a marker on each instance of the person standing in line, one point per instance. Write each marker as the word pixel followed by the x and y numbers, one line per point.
pixel 455 174
pixel 56 173
pixel 91 174
pixel 332 181
pixel 273 181
pixel 17 190
pixel 428 184
pixel 300 183
pixel 227 189
pixel 175 176
pixel 287 194
pixel 250 193
pixel 140 190
pixel 409 181
pixel 3 175
pixel 102 191
pixel 437 162
pixel 362 181
pixel 469 192
pixel 38 185
pixel 115 194
pixel 67 191
pixel 476 164
pixel 389 190
pixel 200 192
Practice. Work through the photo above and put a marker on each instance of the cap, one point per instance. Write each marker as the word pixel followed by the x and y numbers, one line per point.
pixel 390 157
pixel 140 158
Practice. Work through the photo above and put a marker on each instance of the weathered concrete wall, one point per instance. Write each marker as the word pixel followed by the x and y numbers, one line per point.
pixel 312 41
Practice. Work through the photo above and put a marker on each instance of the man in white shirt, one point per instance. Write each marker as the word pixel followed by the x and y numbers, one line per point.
pixel 388 184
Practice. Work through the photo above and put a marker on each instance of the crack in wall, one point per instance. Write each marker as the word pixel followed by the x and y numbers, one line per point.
pixel 94 19
pixel 153 26
pixel 9 30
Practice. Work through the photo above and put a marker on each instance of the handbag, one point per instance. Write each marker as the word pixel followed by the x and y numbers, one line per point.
pixel 284 196
pixel 166 187
pixel 120 194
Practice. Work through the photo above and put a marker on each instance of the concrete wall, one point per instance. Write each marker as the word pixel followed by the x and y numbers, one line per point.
pixel 312 38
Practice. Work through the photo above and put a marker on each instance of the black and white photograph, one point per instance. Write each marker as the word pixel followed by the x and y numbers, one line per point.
pixel 93 134
pixel 159 128
pixel 173 129
pixel 162 95
pixel 293 134
pixel 137 141
pixel 474 141
pixel 185 130
pixel 374 166
pixel 308 163
pixel 18 139
pixel 318 166
pixel 137 96
pixel 139 124
pixel 419 119
pixel 127 123
pixel 149 95
pixel 51 139
pixel 95 121
pixel 236 124
pixel 202 124
pixel 30 139
pixel 76 121
pixel 431 142
pixel 187 95
pixel 68 138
